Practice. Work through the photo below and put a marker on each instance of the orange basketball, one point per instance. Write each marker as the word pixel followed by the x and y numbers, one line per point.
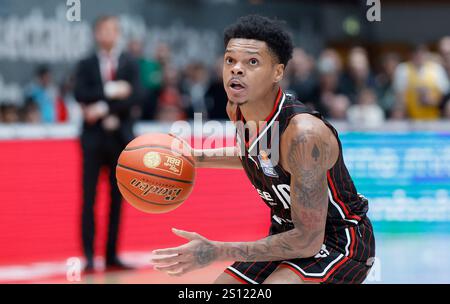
pixel 153 175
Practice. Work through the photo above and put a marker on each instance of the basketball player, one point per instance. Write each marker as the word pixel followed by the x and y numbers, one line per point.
pixel 320 232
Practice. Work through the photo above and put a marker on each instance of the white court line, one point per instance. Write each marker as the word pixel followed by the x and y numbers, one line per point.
pixel 46 269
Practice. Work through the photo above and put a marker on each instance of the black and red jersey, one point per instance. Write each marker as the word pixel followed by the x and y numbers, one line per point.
pixel 260 161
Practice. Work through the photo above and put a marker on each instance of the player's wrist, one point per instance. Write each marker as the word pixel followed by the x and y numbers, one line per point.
pixel 227 251
pixel 221 251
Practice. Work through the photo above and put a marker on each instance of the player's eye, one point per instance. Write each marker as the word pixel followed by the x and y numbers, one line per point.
pixel 253 61
pixel 228 60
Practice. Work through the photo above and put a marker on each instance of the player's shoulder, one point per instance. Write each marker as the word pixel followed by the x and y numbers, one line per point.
pixel 306 130
pixel 305 123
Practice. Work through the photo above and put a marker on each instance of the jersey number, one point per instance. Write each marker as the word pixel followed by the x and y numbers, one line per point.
pixel 283 193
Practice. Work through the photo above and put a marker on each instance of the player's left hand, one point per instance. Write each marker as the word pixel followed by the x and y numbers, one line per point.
pixel 197 253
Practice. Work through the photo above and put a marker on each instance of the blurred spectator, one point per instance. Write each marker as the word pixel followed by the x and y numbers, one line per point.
pixel 327 96
pixel 446 107
pixel 366 113
pixel 444 51
pixel 151 69
pixel 338 106
pixel 193 88
pixel 358 75
pixel 155 67
pixel 107 86
pixel 44 92
pixel 30 112
pixel 332 56
pixel 151 75
pixel 62 113
pixel 216 97
pixel 169 104
pixel 9 113
pixel 398 112
pixel 68 109
pixel 162 54
pixel 420 85
pixel 303 79
pixel 384 80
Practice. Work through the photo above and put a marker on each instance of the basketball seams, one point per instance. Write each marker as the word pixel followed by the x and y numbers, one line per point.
pixel 153 174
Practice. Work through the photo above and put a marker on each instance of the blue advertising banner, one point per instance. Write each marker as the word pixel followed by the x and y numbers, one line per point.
pixel 405 176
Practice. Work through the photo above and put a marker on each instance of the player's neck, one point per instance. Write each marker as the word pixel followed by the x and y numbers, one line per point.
pixel 258 110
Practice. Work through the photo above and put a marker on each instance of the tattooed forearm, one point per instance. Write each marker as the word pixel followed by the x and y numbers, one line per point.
pixel 205 254
pixel 286 245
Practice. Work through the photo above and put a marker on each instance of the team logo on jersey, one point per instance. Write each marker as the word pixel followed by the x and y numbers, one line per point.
pixel 266 164
pixel 323 253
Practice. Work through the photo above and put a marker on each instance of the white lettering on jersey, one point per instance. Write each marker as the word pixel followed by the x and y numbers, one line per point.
pixel 266 196
pixel 277 219
pixel 283 193
pixel 280 220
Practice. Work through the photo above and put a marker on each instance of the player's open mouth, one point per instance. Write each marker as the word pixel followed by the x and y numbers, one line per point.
pixel 236 85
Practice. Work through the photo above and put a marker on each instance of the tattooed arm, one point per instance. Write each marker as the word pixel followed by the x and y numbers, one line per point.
pixel 308 150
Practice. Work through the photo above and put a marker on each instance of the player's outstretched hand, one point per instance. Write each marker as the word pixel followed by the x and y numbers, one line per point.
pixel 197 253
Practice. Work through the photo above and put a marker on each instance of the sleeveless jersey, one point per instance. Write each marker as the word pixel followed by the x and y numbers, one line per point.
pixel 345 206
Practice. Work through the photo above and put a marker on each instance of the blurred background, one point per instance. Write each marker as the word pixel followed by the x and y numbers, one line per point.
pixel 383 84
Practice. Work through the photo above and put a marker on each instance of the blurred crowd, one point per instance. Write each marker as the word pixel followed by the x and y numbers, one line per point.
pixel 349 87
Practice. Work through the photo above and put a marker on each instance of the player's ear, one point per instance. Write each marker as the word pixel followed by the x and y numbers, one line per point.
pixel 279 72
